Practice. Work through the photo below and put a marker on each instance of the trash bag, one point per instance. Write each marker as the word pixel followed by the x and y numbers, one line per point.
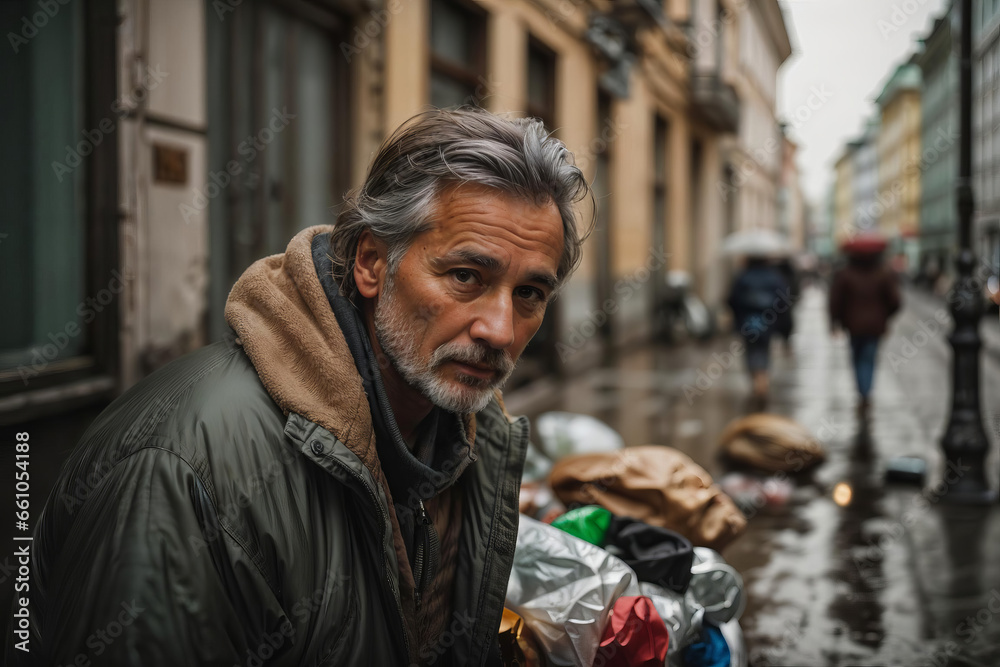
pixel 518 647
pixel 589 523
pixel 714 597
pixel 772 443
pixel 733 633
pixel 711 651
pixel 716 587
pixel 537 465
pixel 565 434
pixel 635 636
pixel 657 555
pixel 564 589
pixel 681 615
pixel 658 485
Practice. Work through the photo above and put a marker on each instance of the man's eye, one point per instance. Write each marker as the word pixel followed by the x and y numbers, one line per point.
pixel 463 276
pixel 531 294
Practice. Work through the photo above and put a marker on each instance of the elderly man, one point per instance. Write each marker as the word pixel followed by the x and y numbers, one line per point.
pixel 336 483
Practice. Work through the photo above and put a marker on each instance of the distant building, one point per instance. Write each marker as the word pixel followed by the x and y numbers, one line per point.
pixel 899 160
pixel 939 147
pixel 843 222
pixel 867 208
pixel 986 129
pixel 792 211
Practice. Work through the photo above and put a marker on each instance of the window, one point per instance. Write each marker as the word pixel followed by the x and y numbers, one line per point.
pixel 58 278
pixel 541 83
pixel 458 54
pixel 265 59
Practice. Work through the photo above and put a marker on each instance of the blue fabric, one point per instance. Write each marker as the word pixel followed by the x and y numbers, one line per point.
pixel 711 651
pixel 863 351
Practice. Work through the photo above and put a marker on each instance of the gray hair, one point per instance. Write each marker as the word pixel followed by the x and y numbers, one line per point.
pixel 438 148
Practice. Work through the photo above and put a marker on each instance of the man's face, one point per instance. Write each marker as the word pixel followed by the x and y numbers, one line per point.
pixel 469 294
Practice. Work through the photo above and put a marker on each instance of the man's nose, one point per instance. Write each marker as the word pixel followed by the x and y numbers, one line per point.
pixel 494 321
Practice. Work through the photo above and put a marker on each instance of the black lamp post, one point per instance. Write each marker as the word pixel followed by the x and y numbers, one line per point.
pixel 965 444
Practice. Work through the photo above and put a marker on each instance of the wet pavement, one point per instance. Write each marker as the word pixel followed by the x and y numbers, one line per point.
pixel 886 574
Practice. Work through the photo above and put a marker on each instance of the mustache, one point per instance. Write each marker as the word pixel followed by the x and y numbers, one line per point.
pixel 479 355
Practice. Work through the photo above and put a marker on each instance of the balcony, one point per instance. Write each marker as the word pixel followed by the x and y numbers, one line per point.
pixel 716 102
pixel 635 14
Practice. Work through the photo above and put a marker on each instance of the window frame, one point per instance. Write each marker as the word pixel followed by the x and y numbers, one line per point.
pixel 94 373
pixel 550 112
pixel 473 76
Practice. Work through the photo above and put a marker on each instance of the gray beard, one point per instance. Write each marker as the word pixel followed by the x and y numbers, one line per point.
pixel 398 338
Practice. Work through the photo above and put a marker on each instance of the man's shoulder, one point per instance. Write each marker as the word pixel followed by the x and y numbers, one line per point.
pixel 211 397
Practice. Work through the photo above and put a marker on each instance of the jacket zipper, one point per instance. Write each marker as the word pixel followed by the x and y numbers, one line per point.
pixel 426 554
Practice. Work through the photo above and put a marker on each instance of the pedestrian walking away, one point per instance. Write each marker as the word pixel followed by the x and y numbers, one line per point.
pixel 758 296
pixel 863 296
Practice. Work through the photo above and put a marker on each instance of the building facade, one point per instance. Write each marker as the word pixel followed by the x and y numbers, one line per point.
pixel 867 207
pixel 899 170
pixel 843 223
pixel 177 141
pixel 986 130
pixel 791 201
pixel 939 148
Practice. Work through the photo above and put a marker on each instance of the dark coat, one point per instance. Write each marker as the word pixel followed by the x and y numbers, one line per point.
pixel 759 297
pixel 863 296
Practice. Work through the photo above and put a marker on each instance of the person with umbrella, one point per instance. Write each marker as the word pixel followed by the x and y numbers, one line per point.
pixel 758 297
pixel 863 296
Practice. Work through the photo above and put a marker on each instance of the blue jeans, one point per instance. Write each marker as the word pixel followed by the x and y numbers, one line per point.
pixel 863 350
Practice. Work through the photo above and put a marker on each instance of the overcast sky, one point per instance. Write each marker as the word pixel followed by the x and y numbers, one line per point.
pixel 842 53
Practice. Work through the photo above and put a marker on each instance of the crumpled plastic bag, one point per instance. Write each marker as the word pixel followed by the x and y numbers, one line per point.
pixel 716 587
pixel 566 433
pixel 589 523
pixel 709 651
pixel 657 555
pixel 738 655
pixel 655 484
pixel 564 588
pixel 771 442
pixel 714 597
pixel 682 617
pixel 634 637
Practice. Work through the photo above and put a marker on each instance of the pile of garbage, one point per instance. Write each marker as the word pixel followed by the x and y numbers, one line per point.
pixel 631 574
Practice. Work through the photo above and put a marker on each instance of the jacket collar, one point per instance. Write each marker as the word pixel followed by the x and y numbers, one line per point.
pixel 283 320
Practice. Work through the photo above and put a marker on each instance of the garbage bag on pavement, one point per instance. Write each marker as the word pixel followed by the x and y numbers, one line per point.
pixel 635 636
pixel 656 554
pixel 772 443
pixel 738 656
pixel 564 589
pixel 518 647
pixel 655 484
pixel 711 651
pixel 566 433
pixel 589 523
pixel 682 617
pixel 714 597
pixel 716 587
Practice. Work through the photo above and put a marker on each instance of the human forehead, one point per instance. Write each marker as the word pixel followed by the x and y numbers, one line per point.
pixel 473 214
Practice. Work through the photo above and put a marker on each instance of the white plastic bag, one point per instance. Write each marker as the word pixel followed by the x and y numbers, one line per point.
pixel 564 588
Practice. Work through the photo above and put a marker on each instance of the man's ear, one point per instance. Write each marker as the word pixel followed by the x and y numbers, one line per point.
pixel 369 265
